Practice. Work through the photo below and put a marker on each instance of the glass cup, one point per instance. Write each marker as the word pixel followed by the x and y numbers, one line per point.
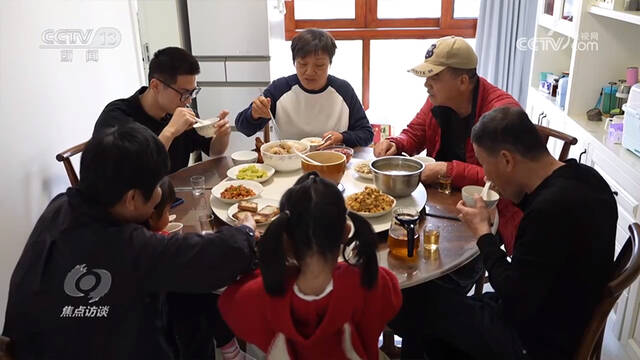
pixel 432 256
pixel 197 185
pixel 431 237
pixel 444 184
pixel 206 223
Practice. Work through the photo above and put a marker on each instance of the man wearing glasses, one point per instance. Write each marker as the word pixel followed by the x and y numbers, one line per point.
pixel 164 107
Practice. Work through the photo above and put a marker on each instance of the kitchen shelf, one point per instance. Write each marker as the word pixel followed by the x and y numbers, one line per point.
pixel 564 27
pixel 632 17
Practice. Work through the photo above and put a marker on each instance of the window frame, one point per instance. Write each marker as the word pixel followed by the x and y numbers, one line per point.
pixel 367 26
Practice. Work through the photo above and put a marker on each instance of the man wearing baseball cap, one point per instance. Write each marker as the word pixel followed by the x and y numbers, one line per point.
pixel 458 96
pixel 457 99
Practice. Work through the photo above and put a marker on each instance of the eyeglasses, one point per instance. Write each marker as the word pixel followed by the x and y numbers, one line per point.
pixel 184 96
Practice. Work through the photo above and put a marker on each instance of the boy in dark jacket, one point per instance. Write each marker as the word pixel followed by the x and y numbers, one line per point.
pixel 90 281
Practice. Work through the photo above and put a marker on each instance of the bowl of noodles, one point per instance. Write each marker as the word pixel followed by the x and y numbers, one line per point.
pixel 281 154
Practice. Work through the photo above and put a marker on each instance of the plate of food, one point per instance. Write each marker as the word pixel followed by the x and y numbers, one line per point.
pixel 363 170
pixel 254 172
pixel 262 210
pixel 370 202
pixel 231 192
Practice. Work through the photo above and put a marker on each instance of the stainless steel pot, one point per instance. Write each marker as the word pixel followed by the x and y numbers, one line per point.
pixel 397 176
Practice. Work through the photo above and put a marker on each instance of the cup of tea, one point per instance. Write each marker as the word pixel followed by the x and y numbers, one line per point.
pixel 431 237
pixel 444 184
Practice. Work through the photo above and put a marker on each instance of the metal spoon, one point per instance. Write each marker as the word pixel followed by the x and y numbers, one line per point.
pixel 199 121
pixel 273 120
pixel 326 138
pixel 275 125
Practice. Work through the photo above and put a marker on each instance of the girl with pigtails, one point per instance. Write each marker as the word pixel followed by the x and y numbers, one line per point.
pixel 305 302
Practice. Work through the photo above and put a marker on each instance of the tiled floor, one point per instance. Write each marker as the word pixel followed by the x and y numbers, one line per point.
pixel 612 349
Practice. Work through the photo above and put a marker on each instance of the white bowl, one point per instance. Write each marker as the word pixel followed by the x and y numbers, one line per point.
pixel 313 142
pixel 218 189
pixel 244 157
pixel 470 190
pixel 288 162
pixel 206 128
pixel 425 159
pixel 233 172
pixel 174 227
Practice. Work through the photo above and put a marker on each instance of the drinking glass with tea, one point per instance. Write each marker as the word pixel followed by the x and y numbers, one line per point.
pixel 403 238
pixel 431 237
pixel 444 184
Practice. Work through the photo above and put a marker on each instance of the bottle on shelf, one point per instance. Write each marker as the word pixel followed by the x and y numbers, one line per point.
pixel 563 86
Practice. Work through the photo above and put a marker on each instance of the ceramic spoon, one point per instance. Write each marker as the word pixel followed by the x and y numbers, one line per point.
pixel 485 190
pixel 308 159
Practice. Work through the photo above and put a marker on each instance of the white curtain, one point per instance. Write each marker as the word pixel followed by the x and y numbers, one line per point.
pixel 500 24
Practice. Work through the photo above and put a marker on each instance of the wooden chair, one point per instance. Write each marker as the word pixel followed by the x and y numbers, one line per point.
pixel 545 133
pixel 65 158
pixel 626 271
pixel 569 140
pixel 5 353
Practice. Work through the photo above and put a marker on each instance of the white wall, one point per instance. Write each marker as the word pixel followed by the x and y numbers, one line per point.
pixel 47 105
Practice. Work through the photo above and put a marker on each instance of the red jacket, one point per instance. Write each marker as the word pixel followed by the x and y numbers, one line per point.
pixel 345 322
pixel 424 133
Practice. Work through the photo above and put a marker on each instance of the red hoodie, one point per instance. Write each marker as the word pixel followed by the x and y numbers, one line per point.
pixel 424 133
pixel 344 324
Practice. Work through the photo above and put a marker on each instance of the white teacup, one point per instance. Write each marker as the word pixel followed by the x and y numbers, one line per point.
pixel 174 227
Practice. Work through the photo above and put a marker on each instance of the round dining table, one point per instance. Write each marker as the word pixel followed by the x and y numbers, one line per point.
pixel 457 245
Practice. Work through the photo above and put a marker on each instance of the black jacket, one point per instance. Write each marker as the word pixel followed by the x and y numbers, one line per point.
pixel 563 257
pixel 89 287
pixel 124 111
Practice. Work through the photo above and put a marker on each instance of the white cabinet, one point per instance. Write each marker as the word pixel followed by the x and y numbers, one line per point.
pixel 250 71
pixel 212 71
pixel 599 46
pixel 228 27
pixel 627 207
pixel 230 39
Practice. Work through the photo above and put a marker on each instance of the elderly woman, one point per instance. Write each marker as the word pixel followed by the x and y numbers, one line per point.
pixel 310 102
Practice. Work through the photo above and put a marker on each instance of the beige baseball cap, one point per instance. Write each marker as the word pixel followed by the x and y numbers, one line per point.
pixel 450 51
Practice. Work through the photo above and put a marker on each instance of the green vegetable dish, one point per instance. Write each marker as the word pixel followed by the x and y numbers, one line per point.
pixel 251 172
